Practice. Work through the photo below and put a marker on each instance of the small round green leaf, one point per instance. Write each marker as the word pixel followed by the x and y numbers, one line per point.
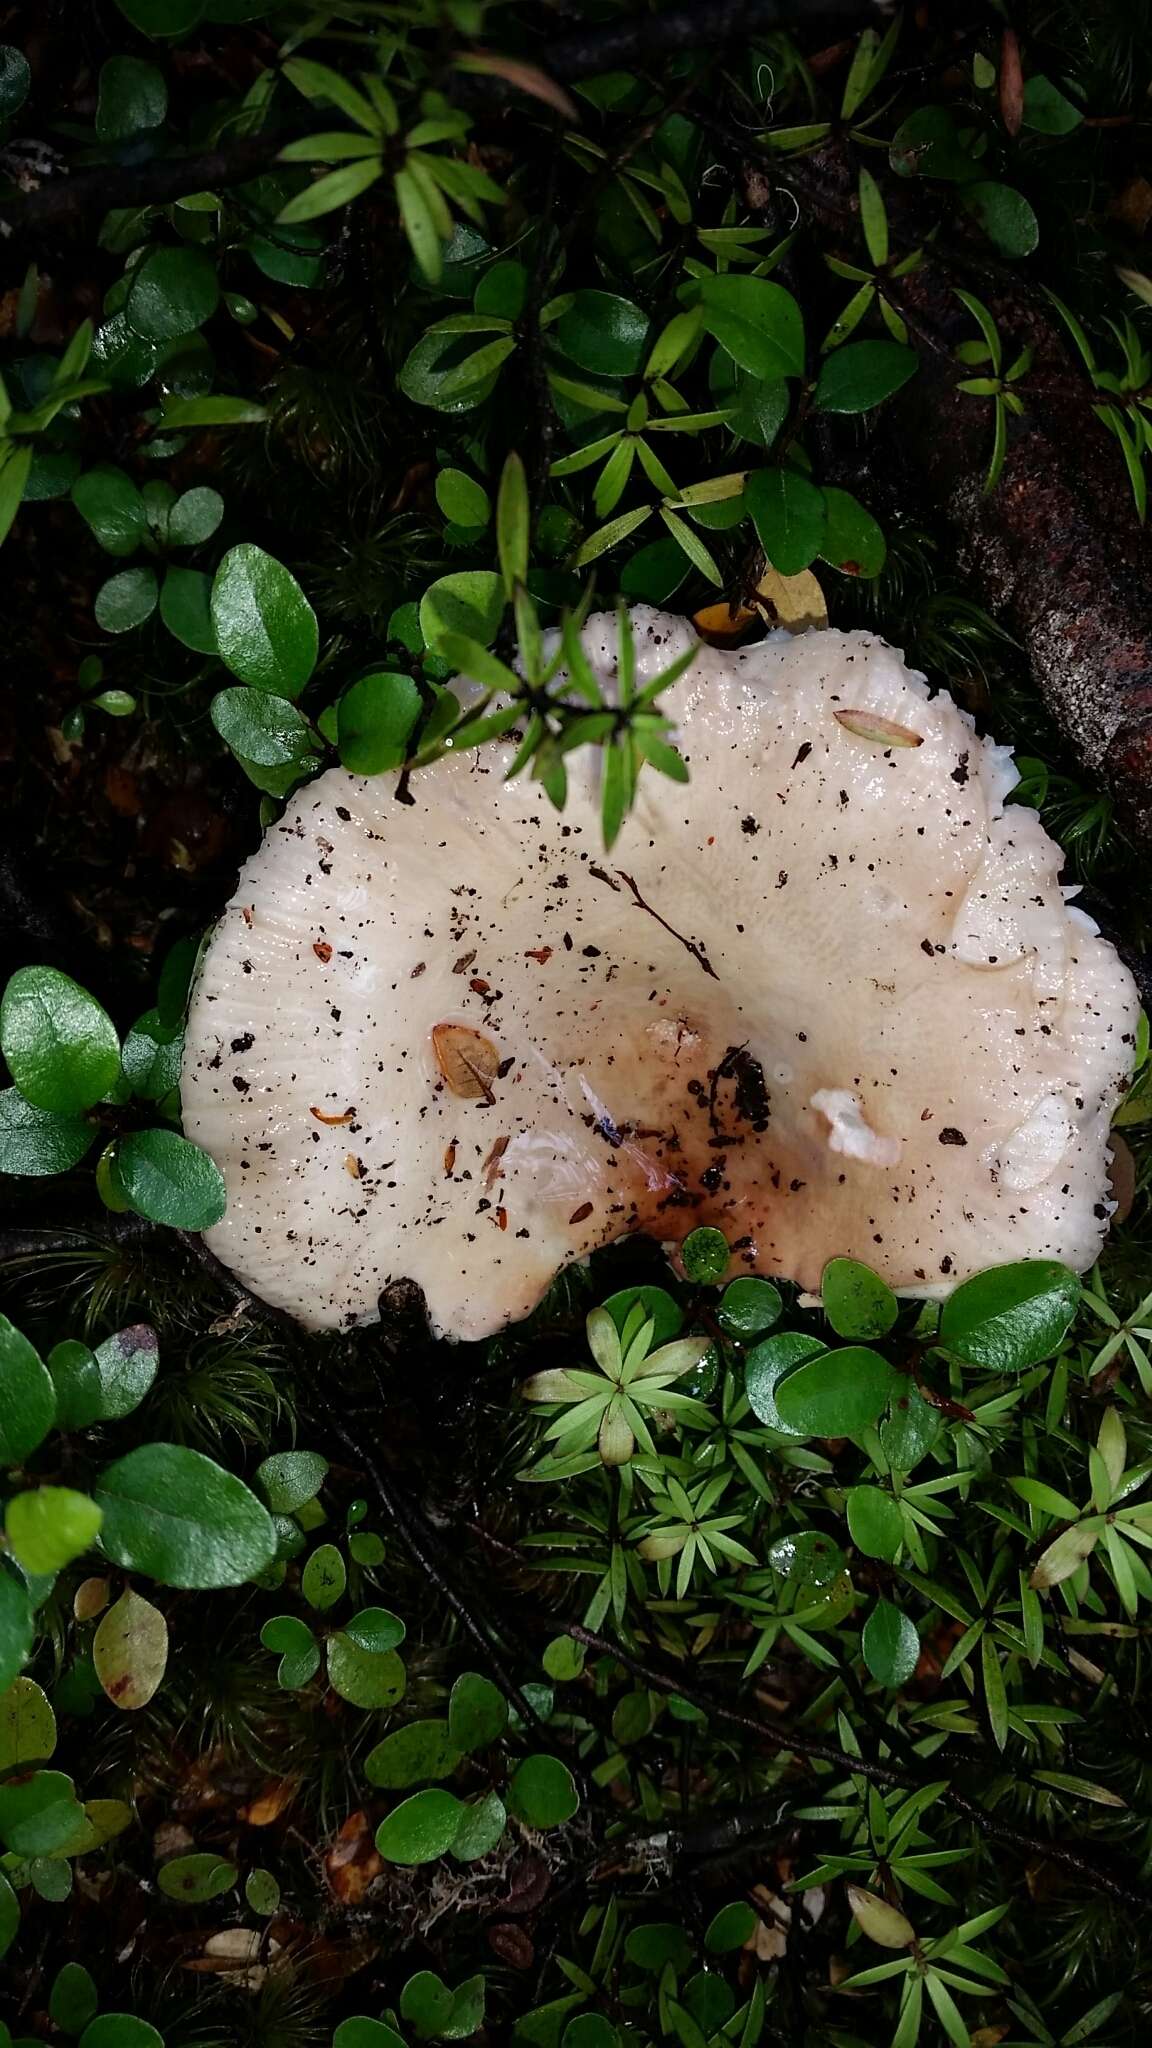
pixel 1010 1317
pixel 470 602
pixel 169 1180
pixel 853 542
pixel 39 1813
pixel 132 98
pixel 477 1712
pixel 420 1828
pixel 265 627
pixel 757 322
pixel 909 1429
pixel 542 1792
pixel 857 1302
pixel 113 507
pixel 656 1945
pixel 126 600
pixel 705 1256
pixel 422 1750
pixel 16 1623
pixel 127 1364
pixel 666 1314
pixel 27 1396
pixel 48 1526
pixel 62 1048
pixel 120 2029
pixel 27 1725
pixel 73 1999
pixel 262 1893
pixel 482 1823
pixel 875 1522
pixel 748 1307
pixel 194 1879
pixel 375 1629
pixel 837 1394
pixel 730 1928
pixel 289 1478
pixel 362 2033
pixel 766 1366
pixel 891 1645
pixel 194 517
pixel 37 1142
pixel 462 499
pixel 364 1677
pixel 180 1518
pixel 1004 214
pixel 15 80
pixel 374 721
pixel 173 291
pixel 186 609
pixel 324 1577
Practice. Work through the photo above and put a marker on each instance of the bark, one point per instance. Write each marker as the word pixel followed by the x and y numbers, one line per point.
pixel 1057 548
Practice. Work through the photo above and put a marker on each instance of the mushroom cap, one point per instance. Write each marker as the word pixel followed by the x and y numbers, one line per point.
pixel 828 996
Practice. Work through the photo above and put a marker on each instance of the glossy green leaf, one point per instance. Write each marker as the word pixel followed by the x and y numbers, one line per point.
pixel 375 720
pixel 542 1792
pixel 267 734
pixel 420 1828
pixel 757 322
pixel 324 1577
pixel 62 1048
pixel 37 1142
pixel 862 374
pixel 290 1478
pixel 121 2029
pixel 39 1813
pixel 169 1180
pixel 126 1363
pixel 857 1302
pixel 27 1725
pixel 477 1712
pixel 186 608
pixel 1006 217
pixel 438 2013
pixel 16 1623
pixel 421 1751
pixel 180 1518
pixel 366 1678
pixel 1010 1317
pixel 462 499
pixel 112 506
pixel 1048 111
pixel 470 601
pixel 375 1629
pixel 852 540
pixel 132 98
pixel 875 1523
pixel 837 1394
pixel 705 1256
pixel 789 515
pixel 748 1307
pixel 765 1368
pixel 126 600
pixel 891 1645
pixel 194 1879
pixel 194 517
pixel 603 333
pixel 482 1824
pixel 73 2000
pixel 27 1396
pixel 173 291
pixel 265 627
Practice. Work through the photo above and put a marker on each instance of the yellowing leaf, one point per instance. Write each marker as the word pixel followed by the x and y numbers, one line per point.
pixel 1064 1556
pixel 130 1651
pixel 883 732
pixel 881 1922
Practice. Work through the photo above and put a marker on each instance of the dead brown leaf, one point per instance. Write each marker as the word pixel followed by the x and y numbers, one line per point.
pixel 1011 82
pixel 525 77
pixel 353 1861
pixel 268 1805
pixel 467 1059
pixel 795 602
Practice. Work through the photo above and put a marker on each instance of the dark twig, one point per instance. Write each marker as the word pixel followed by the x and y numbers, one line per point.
pixel 785 1739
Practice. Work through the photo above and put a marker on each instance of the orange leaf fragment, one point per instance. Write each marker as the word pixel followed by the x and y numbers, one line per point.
pixel 322 1118
pixel 322 950
pixel 269 1804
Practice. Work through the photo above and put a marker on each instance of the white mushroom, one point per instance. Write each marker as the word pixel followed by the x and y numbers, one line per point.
pixel 827 996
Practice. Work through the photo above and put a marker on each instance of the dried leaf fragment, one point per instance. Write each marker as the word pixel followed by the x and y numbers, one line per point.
pixel 795 602
pixel 354 1166
pixel 90 1599
pixel 353 1861
pixel 322 950
pixel 467 1059
pixel 722 624
pixel 525 77
pixel 883 732
pixel 321 1118
pixel 269 1804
